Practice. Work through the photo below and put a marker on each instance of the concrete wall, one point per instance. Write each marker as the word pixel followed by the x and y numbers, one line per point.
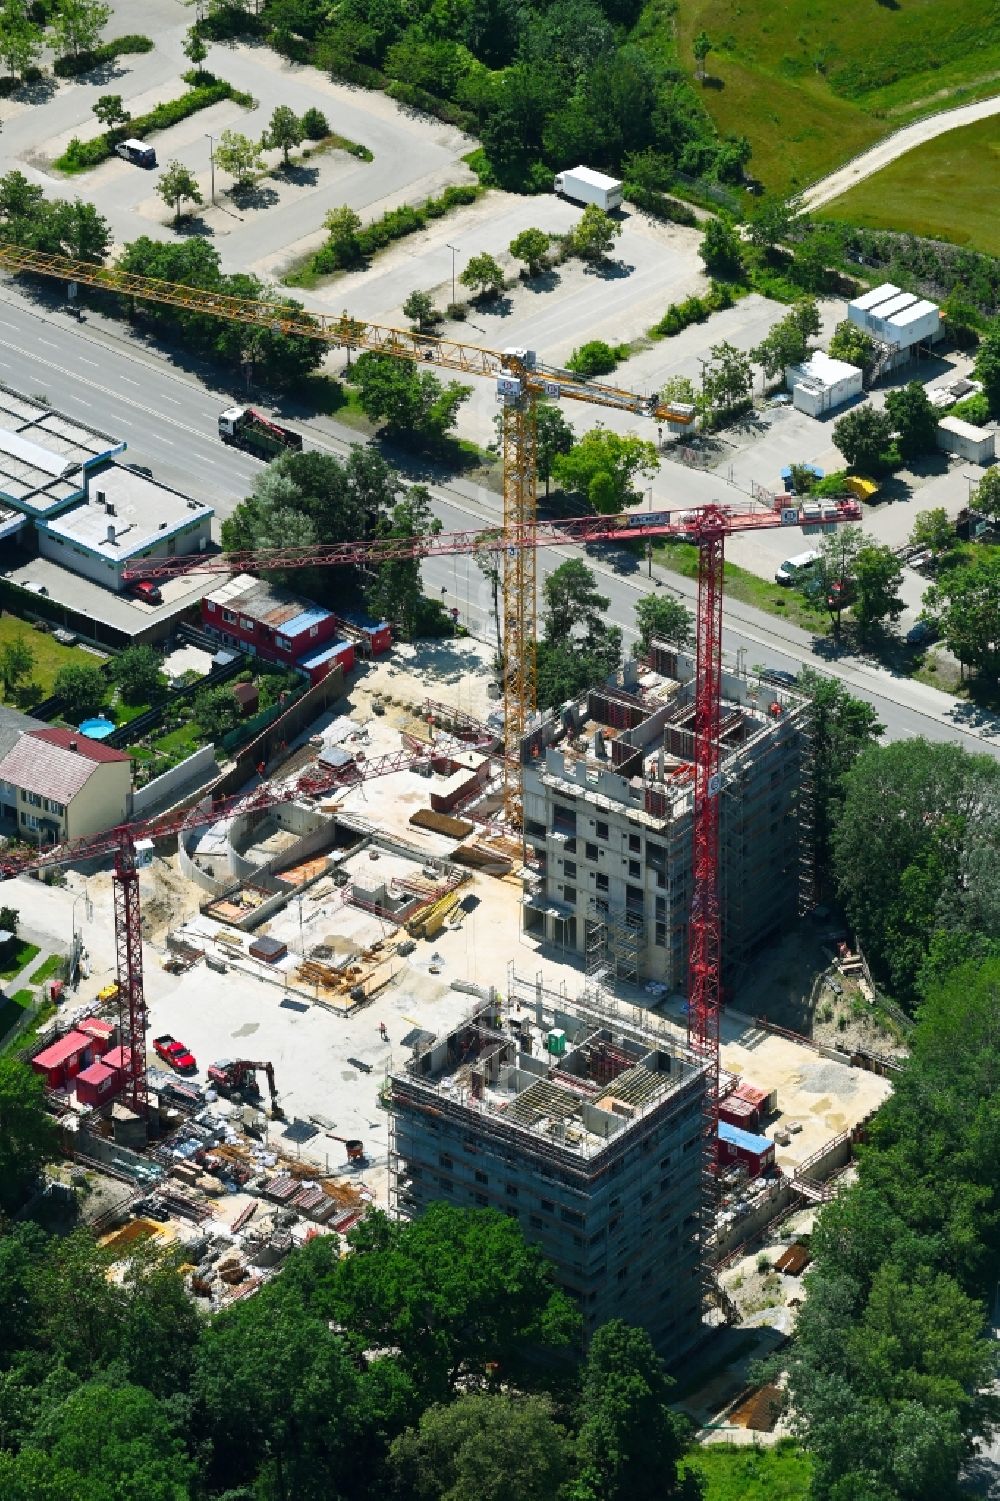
pixel 192 769
pixel 102 802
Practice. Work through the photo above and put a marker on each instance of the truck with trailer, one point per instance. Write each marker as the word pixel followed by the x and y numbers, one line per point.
pixel 584 185
pixel 246 428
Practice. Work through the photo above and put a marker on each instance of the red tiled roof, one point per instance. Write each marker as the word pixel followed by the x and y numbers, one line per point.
pixel 81 745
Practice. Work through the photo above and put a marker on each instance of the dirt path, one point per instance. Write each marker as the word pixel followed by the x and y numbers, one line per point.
pixel 894 146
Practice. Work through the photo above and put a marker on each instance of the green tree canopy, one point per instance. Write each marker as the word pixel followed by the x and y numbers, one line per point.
pixel 854 345
pixel 727 380
pixel 965 601
pixel 787 343
pixel 578 647
pixel 553 436
pixel 604 465
pixel 986 496
pixel 137 672
pixel 77 25
pixel 239 156
pixel 20 38
pixel 842 727
pixel 110 111
pixel 661 617
pixel 878 575
pixel 417 409
pixel 721 249
pixel 84 690
pixel 484 275
pixel 176 184
pixel 594 234
pixel 863 436
pixel 482 1448
pixel 284 131
pixel 397 593
pixel 987 365
pixel 532 247
pixel 419 308
pixel 16 661
pixel 934 530
pixel 28 1136
pixel 914 419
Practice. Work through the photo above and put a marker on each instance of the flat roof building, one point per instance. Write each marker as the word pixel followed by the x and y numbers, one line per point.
pixel 586 1127
pixel 45 457
pixel 899 320
pixel 123 519
pixel 608 801
pixel 820 384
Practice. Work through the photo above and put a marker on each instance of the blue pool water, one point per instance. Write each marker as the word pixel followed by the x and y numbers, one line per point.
pixel 97 729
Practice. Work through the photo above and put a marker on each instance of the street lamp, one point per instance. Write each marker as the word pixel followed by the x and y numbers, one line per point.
pixel 77 943
pixel 453 254
pixel 211 160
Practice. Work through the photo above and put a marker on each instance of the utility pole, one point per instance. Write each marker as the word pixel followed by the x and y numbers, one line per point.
pixel 453 253
pixel 211 160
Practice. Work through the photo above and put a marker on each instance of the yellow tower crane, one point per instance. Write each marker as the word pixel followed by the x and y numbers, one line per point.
pixel 520 382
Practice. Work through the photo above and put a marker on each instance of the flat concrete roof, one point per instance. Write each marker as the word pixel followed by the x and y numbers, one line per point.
pixel 96 602
pixel 43 453
pixel 135 514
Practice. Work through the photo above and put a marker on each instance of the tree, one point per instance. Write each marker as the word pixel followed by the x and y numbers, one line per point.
pixel 878 574
pixel 933 530
pixel 898 845
pixel 176 184
pixel 16 661
pixel 10 918
pixel 787 343
pixel 194 47
pixel 629 1441
pixel 721 249
pixel 343 226
pixel 966 604
pixel 20 38
pixel 854 345
pixel 842 726
pixel 284 131
pixel 83 690
pixel 239 156
pixel 110 111
pixel 771 221
pixel 28 1136
pixel 987 365
pixel 914 419
pixel 727 380
pixel 578 647
pixel 137 672
pixel 482 1448
pixel 986 496
pixel 863 437
pixel 701 47
pixel 77 25
pixel 484 275
pixel 833 581
pixel 553 436
pixel 419 308
pixel 455 1291
pixel 659 617
pixel 532 247
pixel 216 711
pixel 418 410
pixel 603 466
pixel 594 235
pixel 678 389
pixel 397 594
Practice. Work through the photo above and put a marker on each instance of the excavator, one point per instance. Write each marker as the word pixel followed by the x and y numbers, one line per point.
pixel 234 1077
pixel 238 1076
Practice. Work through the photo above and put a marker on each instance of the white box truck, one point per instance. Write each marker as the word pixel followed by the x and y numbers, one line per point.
pixel 584 185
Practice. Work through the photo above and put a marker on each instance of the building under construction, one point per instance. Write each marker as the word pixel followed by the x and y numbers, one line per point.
pixel 608 801
pixel 584 1126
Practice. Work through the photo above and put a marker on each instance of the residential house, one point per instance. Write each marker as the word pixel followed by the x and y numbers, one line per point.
pixel 58 785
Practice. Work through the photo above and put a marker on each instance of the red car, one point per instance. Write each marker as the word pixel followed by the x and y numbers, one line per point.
pixel 175 1053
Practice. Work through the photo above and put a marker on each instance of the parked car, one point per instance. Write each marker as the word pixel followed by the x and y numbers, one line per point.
pixel 924 633
pixel 147 590
pixel 779 676
pixel 136 152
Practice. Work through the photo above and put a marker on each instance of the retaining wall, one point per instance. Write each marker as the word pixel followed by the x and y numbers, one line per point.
pixel 190 769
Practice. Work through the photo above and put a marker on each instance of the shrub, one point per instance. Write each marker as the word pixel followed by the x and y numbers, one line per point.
pixel 394 224
pixel 80 155
pixel 596 358
pixel 681 315
pixel 315 125
pixel 71 67
pixel 660 206
pixel 975 409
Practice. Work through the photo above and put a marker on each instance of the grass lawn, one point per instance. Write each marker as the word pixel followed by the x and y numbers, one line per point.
pixel 948 189
pixel 787 604
pixel 738 1473
pixel 47 969
pixel 29 1037
pixel 49 657
pixel 12 1008
pixel 15 957
pixel 811 86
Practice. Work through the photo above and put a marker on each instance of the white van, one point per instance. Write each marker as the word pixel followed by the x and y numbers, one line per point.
pixel 136 152
pixel 792 569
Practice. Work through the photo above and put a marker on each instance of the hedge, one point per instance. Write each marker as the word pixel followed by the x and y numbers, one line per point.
pixel 660 206
pixel 681 315
pixel 82 62
pixel 395 224
pixel 79 155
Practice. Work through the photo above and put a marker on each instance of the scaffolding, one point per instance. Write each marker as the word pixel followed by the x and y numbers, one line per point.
pixel 805 808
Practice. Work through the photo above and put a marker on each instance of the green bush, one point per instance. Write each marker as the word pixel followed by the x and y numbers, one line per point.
pixel 395 224
pixel 975 409
pixel 596 358
pixel 71 67
pixel 79 155
pixel 315 125
pixel 681 315
pixel 227 21
pixel 660 206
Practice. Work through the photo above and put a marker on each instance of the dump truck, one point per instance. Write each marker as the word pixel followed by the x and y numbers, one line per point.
pixel 246 428
pixel 583 185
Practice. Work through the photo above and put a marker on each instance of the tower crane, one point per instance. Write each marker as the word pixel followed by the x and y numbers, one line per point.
pixel 520 381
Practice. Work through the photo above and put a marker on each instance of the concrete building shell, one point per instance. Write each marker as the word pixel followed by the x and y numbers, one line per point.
pixel 583 1126
pixel 608 800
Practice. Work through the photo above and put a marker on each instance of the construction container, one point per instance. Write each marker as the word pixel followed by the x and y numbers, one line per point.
pixel 268 949
pixel 755 1153
pixel 101 1032
pixel 976 444
pixel 98 1083
pixel 764 1101
pixel 737 1112
pixel 63 1059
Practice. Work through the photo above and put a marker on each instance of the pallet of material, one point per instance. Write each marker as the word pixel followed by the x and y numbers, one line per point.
pixel 441 823
pixel 490 862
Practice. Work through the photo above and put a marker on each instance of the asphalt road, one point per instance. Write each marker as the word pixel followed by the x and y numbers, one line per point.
pixel 102 375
